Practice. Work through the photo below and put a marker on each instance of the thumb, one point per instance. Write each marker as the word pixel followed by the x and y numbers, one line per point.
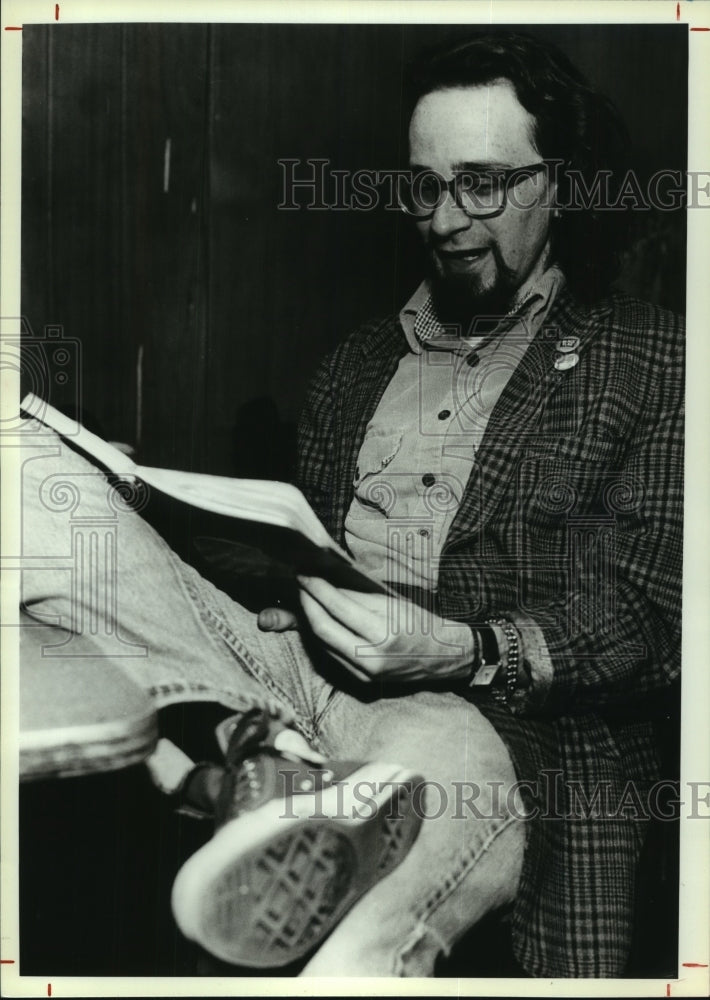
pixel 276 620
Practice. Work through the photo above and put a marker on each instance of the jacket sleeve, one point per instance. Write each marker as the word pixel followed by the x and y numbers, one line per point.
pixel 315 468
pixel 620 645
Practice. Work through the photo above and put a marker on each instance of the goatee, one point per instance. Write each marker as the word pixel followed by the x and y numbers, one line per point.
pixel 460 301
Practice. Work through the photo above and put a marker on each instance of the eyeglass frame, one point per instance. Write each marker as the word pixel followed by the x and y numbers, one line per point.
pixel 505 176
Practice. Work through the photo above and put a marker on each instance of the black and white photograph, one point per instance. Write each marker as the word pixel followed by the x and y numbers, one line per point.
pixel 347 550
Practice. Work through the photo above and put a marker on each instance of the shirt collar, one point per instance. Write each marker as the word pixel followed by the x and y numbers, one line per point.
pixel 422 327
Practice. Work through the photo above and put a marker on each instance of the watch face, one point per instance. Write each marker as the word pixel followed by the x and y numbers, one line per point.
pixel 485 675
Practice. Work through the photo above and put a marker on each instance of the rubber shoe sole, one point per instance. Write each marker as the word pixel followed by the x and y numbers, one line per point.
pixel 272 884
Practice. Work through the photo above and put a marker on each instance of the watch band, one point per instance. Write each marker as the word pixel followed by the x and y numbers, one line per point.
pixel 496 658
pixel 488 662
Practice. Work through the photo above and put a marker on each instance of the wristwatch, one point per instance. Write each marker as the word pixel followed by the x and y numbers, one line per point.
pixel 496 658
pixel 487 659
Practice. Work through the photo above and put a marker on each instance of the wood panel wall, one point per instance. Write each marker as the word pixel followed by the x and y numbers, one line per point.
pixel 151 229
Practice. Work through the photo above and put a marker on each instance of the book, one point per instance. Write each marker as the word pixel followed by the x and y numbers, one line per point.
pixel 288 538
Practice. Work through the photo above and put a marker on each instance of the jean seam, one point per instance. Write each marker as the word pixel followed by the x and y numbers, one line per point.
pixel 433 902
pixel 471 857
pixel 420 931
pixel 279 704
pixel 334 696
pixel 280 707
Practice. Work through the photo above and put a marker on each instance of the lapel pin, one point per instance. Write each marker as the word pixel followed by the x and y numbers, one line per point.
pixel 565 361
pixel 566 345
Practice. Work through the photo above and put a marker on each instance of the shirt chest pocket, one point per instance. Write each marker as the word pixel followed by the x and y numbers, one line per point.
pixel 378 450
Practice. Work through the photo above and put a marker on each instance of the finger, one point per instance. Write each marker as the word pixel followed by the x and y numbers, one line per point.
pixel 362 620
pixel 340 642
pixel 359 675
pixel 276 620
pixel 324 591
pixel 378 603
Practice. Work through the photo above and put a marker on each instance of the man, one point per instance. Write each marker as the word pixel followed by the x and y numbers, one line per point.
pixel 506 453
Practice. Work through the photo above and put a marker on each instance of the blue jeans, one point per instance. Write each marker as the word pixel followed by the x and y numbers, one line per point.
pixel 94 568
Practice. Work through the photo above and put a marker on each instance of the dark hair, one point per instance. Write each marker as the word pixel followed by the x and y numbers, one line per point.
pixel 573 123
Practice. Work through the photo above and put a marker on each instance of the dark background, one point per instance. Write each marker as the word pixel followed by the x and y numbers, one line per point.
pixel 229 302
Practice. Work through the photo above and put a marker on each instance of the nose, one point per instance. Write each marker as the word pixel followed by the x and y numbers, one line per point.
pixel 448 218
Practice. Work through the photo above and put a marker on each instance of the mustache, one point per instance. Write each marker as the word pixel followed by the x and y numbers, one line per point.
pixel 505 273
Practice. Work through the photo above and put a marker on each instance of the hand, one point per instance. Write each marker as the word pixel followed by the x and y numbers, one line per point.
pixel 276 620
pixel 386 638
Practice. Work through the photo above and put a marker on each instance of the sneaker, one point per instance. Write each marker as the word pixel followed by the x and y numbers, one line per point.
pixel 296 845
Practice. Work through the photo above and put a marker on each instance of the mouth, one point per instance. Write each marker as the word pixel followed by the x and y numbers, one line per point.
pixel 461 257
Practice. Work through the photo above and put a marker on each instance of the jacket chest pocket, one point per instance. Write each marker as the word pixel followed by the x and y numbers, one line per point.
pixel 582 480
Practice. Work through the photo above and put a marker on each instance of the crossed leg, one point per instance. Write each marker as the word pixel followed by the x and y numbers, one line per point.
pixel 181 638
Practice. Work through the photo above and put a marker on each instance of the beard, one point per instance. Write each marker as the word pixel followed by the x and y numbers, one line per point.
pixel 462 299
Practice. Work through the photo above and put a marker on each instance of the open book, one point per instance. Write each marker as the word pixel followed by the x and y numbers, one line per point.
pixel 288 536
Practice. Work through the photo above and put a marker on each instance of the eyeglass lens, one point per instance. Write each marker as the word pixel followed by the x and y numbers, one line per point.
pixel 477 193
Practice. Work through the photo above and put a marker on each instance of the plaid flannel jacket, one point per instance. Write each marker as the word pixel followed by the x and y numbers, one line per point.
pixel 572 514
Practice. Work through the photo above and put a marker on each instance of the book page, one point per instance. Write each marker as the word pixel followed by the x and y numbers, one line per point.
pixel 79 436
pixel 260 500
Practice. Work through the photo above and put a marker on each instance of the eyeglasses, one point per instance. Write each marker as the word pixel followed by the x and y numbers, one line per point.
pixel 480 194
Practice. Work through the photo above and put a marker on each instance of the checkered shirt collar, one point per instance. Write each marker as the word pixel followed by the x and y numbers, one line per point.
pixel 422 326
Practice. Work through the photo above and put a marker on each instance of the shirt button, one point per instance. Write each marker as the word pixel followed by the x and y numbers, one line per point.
pixel 444 414
pixel 428 479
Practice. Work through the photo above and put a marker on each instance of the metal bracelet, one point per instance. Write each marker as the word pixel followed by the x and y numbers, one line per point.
pixel 512 659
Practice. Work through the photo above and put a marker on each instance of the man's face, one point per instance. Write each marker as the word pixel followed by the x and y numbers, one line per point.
pixel 478 265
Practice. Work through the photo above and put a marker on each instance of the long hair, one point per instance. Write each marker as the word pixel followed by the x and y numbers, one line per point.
pixel 574 124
